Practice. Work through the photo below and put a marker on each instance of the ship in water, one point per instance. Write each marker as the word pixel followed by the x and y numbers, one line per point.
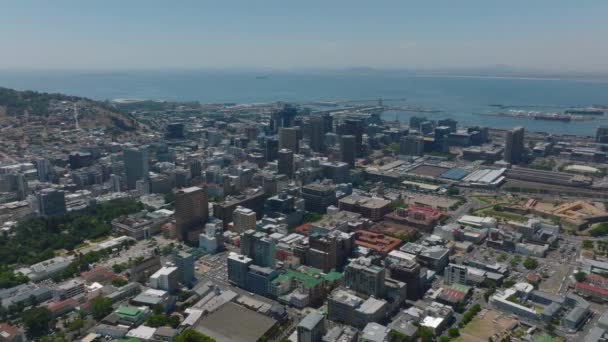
pixel 585 111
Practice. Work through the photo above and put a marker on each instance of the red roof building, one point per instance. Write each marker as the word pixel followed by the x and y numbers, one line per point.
pixel 379 242
pixel 424 218
pixel 596 292
pixel 8 333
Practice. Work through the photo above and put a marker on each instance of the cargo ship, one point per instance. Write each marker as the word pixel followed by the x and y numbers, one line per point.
pixel 585 111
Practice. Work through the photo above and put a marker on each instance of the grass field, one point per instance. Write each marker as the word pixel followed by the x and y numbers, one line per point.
pixel 506 215
pixel 484 326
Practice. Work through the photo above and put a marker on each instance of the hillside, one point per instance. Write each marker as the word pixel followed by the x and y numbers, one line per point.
pixel 91 114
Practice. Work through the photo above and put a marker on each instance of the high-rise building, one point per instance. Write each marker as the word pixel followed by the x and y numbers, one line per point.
pixel 415 122
pixel 166 279
pixel 455 274
pixel 601 135
pixel 185 267
pixel 175 130
pixel 259 247
pixel 449 123
pixel 407 271
pixel 136 165
pixel 514 145
pixel 411 145
pixel 311 328
pixel 115 183
pixel 442 134
pixel 364 277
pixel 317 133
pixel 191 212
pixel 272 149
pixel 288 138
pixel 355 128
pixel 238 267
pixel 43 167
pixel 347 149
pixel 317 196
pixel 243 219
pixel 196 168
pixel 287 115
pixel 285 163
pixel 328 123
pixel 51 202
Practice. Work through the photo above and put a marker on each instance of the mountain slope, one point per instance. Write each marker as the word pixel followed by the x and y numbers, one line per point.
pixel 90 113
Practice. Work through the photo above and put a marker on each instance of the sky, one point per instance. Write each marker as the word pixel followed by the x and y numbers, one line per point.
pixel 562 35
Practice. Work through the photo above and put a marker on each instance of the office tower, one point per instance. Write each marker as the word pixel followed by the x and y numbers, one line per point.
pixel 238 267
pixel 142 186
pixel 514 145
pixel 212 240
pixel 287 115
pixel 259 247
pixel 426 127
pixel 364 277
pixel 311 328
pixel 272 149
pixel 43 167
pixel 601 135
pixel 285 163
pixel 191 212
pixel 22 187
pixel 115 183
pixel 328 123
pixel 442 134
pixel 79 159
pixel 407 271
pixel 347 150
pixel 51 202
pixel 448 122
pixel 259 278
pixel 182 177
pixel 243 219
pixel 415 122
pixel 166 279
pixel 175 130
pixel 185 267
pixel 411 145
pixel 317 133
pixel 263 251
pixel 288 139
pixel 317 197
pixel 196 168
pixel 354 128
pixel 136 165
pixel 455 274
pixel 246 243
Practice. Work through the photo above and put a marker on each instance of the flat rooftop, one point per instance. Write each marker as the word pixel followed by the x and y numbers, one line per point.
pixel 235 323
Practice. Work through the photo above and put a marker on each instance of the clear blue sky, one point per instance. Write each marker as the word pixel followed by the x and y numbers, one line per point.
pixel 120 34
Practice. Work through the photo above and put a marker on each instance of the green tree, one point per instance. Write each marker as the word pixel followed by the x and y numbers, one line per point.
pixel 444 339
pixel 36 321
pixel 101 307
pixel 190 335
pixel 426 334
pixel 120 282
pixel 453 332
pixel 550 328
pixel 530 263
pixel 580 276
pixel 75 325
pixel 396 336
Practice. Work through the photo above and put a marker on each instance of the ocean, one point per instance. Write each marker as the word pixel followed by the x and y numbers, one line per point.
pixel 458 97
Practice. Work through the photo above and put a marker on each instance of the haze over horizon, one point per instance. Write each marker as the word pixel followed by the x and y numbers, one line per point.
pixel 558 35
